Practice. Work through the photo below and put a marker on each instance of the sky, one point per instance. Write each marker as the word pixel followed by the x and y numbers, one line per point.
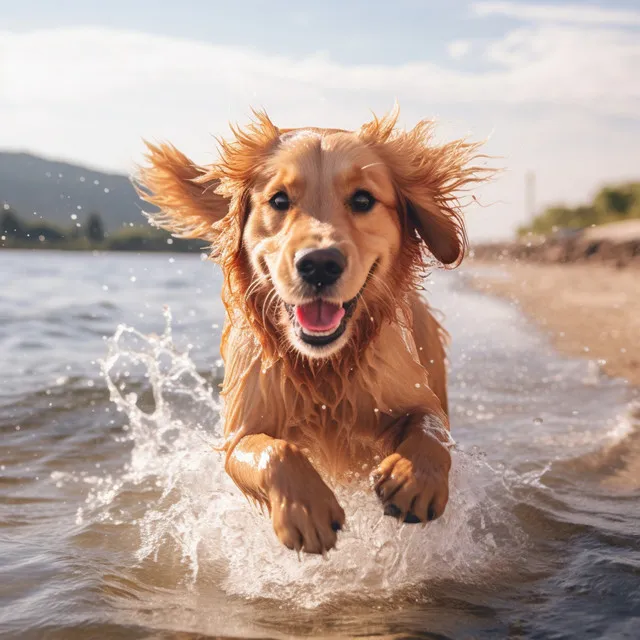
pixel 554 88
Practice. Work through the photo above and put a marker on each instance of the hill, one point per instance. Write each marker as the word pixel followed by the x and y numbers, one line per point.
pixel 57 190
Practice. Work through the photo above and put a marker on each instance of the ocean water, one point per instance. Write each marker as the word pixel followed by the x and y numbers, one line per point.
pixel 118 521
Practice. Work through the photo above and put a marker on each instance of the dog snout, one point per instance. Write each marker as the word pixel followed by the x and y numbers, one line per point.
pixel 320 267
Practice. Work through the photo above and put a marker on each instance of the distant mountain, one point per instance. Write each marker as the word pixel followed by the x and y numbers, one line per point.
pixel 57 190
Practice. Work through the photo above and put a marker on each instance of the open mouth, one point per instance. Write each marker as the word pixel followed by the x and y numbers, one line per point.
pixel 319 322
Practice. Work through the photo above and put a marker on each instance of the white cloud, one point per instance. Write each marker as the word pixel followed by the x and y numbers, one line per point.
pixel 572 13
pixel 459 48
pixel 91 94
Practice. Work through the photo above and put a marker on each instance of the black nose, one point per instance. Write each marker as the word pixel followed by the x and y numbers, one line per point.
pixel 320 267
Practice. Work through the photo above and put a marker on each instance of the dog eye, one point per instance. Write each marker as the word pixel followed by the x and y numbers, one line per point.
pixel 362 201
pixel 280 201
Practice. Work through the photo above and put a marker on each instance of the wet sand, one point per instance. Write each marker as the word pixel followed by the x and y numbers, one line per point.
pixel 589 310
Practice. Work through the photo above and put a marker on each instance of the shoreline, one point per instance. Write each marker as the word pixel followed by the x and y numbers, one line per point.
pixel 102 251
pixel 588 310
pixel 615 245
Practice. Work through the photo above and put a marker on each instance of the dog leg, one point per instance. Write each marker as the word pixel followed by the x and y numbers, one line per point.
pixel 305 513
pixel 413 482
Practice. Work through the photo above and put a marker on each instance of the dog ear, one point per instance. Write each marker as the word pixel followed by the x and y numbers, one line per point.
pixel 442 231
pixel 429 179
pixel 184 193
pixel 210 203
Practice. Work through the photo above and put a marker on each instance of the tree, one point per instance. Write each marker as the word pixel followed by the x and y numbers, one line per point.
pixel 95 228
pixel 615 203
pixel 10 225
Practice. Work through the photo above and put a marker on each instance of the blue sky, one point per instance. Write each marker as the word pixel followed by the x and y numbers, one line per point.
pixel 555 86
pixel 353 31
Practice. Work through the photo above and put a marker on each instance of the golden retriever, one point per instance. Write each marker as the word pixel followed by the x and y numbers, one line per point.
pixel 334 363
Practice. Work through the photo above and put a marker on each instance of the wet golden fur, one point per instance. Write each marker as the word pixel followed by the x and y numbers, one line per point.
pixel 380 393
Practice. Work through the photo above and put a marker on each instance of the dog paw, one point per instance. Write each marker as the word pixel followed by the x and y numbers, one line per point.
pixel 413 488
pixel 306 517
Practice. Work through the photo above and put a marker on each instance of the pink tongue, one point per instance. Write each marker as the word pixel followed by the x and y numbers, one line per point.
pixel 319 315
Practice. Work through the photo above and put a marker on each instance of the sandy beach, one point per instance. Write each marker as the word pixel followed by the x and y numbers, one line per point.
pixel 589 310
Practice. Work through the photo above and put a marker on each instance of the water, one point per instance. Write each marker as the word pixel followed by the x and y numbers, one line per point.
pixel 118 521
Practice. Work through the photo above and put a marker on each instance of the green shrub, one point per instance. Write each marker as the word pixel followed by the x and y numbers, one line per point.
pixel 611 203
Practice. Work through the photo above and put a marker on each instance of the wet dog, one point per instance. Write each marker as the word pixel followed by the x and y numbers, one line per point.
pixel 334 363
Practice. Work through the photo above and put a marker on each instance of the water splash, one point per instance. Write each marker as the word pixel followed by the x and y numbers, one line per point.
pixel 175 491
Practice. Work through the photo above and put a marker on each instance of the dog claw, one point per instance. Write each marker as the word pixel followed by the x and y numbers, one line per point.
pixel 392 510
pixel 336 526
pixel 411 518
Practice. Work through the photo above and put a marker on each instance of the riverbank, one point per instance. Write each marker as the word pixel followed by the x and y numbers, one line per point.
pixel 589 310
pixel 614 245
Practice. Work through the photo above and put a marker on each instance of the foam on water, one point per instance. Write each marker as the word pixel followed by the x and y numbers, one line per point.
pixel 186 504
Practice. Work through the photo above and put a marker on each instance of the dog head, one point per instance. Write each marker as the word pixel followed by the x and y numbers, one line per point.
pixel 319 232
